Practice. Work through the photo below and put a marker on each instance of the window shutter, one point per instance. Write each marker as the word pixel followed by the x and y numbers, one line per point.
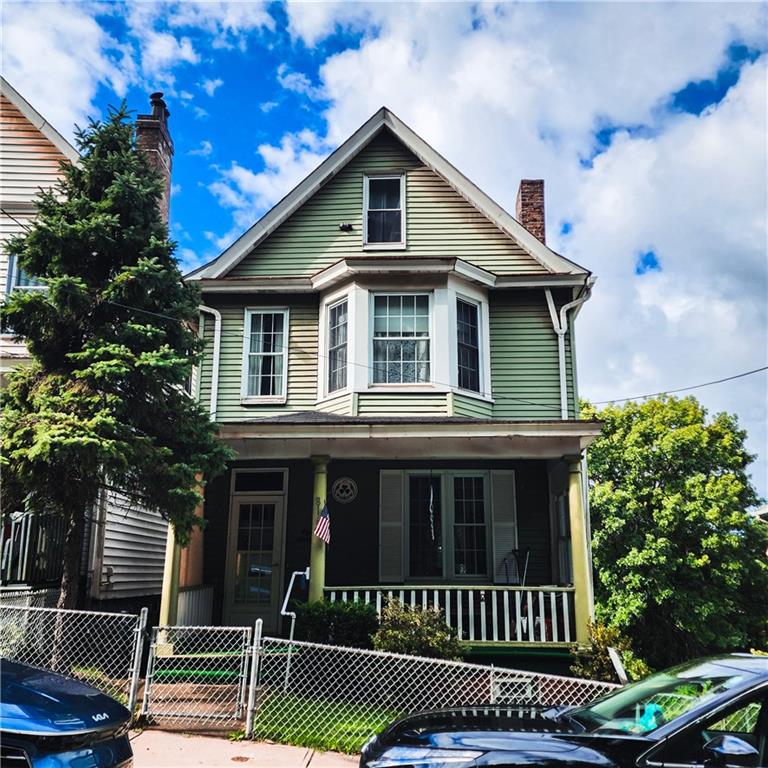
pixel 504 516
pixel 391 525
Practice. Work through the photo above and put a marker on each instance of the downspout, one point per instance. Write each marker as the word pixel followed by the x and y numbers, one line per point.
pixel 216 353
pixel 560 325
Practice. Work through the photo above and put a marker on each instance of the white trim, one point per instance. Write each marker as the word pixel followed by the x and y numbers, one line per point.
pixel 38 121
pixel 385 246
pixel 245 398
pixel 216 356
pixel 551 261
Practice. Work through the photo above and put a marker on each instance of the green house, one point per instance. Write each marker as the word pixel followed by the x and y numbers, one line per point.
pixel 390 344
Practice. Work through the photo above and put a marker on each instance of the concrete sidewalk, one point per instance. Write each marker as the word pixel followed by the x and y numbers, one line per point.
pixel 163 749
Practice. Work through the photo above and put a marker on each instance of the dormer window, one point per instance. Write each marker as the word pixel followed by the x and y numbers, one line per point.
pixel 384 214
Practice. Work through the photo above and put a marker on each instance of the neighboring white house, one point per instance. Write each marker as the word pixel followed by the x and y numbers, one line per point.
pixel 124 551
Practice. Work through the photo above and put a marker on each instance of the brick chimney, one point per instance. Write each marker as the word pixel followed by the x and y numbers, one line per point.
pixel 529 209
pixel 153 138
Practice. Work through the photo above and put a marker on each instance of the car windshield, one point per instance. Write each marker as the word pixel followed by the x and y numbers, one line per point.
pixel 643 707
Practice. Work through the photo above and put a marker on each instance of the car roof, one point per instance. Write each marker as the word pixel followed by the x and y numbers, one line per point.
pixel 751 663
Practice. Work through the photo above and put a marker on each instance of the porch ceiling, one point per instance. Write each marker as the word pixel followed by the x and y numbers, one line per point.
pixel 448 438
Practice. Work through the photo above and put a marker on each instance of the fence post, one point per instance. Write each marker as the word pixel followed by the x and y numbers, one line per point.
pixel 138 648
pixel 255 660
pixel 148 676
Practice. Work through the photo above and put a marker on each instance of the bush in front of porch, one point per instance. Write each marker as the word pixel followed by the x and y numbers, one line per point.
pixel 349 624
pixel 417 632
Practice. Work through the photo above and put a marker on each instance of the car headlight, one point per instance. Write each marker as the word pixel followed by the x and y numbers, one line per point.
pixel 401 756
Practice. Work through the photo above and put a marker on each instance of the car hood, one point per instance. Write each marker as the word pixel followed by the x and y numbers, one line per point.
pixel 525 731
pixel 38 701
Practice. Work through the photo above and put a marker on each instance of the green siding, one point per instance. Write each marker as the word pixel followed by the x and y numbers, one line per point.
pixel 341 404
pixel 302 357
pixel 524 366
pixel 439 222
pixel 464 405
pixel 405 404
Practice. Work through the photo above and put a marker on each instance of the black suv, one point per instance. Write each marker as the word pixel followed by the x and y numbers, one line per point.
pixel 710 713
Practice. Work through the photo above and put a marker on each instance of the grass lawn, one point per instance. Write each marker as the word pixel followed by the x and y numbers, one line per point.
pixel 318 724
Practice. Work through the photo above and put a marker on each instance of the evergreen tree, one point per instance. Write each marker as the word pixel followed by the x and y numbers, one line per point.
pixel 680 565
pixel 103 402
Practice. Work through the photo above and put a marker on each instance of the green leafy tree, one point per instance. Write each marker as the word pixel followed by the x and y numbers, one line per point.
pixel 103 402
pixel 680 566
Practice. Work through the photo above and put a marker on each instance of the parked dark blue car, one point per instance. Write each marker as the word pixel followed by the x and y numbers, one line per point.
pixel 51 721
pixel 710 713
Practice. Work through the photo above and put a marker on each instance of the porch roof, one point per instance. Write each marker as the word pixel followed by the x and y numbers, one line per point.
pixel 307 433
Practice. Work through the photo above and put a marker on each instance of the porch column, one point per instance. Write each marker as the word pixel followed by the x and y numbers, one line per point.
pixel 579 553
pixel 169 599
pixel 316 545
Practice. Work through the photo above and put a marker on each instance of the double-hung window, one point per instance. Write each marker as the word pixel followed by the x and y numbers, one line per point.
pixel 266 354
pixel 448 523
pixel 384 208
pixel 468 344
pixel 401 339
pixel 338 320
pixel 19 280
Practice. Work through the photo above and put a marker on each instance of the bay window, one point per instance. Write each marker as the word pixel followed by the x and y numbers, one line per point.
pixel 265 359
pixel 401 339
pixel 468 344
pixel 338 320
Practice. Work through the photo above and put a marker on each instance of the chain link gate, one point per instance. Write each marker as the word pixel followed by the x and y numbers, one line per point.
pixel 197 676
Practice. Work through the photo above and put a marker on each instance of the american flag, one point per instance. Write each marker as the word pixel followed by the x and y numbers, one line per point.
pixel 323 527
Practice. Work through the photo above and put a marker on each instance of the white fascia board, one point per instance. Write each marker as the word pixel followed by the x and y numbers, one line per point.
pixel 260 284
pixel 448 429
pixel 38 121
pixel 474 274
pixel 348 268
pixel 550 260
pixel 541 281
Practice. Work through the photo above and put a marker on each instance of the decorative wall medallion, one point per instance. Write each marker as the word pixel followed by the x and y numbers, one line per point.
pixel 344 490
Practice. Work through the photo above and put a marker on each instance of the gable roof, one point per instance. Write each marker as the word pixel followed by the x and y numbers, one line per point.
pixel 38 121
pixel 384 119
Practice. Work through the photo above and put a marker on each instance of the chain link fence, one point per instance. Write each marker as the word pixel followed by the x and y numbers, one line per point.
pixel 29 598
pixel 102 649
pixel 334 697
pixel 197 677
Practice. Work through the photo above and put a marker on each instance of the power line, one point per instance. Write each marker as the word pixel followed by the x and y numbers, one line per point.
pixel 317 353
pixel 684 389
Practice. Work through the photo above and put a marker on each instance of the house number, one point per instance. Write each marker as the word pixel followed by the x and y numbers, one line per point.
pixel 344 490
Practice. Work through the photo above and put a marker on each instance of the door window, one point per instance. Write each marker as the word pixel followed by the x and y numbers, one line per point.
pixel 254 555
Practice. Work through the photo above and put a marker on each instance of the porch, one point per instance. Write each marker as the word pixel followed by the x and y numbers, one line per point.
pixel 441 531
pixel 481 614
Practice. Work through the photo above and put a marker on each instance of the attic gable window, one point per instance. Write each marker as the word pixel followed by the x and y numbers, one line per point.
pixel 384 214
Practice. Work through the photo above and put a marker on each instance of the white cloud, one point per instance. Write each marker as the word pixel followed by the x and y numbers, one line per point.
pixel 57 55
pixel 517 90
pixel 249 193
pixel 200 113
pixel 210 86
pixel 267 106
pixel 204 150
pixel 297 82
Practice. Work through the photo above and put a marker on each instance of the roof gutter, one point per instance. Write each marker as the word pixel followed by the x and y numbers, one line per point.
pixel 560 325
pixel 216 354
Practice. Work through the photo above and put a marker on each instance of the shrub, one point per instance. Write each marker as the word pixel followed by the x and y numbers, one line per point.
pixel 417 632
pixel 349 624
pixel 593 662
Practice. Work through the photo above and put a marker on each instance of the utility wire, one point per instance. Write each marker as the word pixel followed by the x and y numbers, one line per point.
pixel 684 389
pixel 317 353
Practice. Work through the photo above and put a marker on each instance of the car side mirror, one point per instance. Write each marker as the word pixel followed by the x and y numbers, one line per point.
pixel 729 750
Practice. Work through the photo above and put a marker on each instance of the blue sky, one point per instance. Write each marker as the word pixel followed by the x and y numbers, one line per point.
pixel 647 122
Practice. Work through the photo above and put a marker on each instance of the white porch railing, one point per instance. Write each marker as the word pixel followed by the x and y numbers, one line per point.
pixel 495 614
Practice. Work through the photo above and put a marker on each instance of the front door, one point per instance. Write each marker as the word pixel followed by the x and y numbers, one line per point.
pixel 254 567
